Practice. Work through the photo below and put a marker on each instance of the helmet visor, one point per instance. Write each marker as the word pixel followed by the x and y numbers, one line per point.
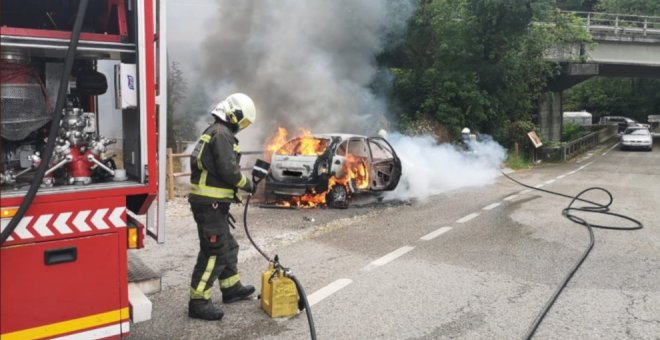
pixel 243 123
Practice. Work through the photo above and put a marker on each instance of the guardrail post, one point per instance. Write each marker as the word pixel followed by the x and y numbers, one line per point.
pixel 616 24
pixel 170 174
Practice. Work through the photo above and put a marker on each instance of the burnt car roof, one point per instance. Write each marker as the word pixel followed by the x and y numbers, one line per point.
pixel 343 136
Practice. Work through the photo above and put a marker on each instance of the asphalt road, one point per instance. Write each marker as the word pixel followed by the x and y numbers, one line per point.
pixel 473 263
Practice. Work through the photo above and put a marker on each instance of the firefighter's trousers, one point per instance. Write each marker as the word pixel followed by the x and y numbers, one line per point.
pixel 218 250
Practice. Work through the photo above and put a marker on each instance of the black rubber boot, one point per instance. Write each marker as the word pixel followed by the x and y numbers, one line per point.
pixel 204 309
pixel 236 292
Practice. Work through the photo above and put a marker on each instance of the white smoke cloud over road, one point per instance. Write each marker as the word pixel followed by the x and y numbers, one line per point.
pixel 430 168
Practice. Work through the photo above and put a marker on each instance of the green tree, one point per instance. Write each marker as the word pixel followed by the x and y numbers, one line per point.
pixel 639 7
pixel 477 63
pixel 176 93
pixel 577 5
pixel 634 98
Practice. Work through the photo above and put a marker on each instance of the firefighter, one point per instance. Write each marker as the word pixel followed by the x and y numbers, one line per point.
pixel 215 179
pixel 465 135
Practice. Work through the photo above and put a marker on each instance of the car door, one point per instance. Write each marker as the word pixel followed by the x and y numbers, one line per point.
pixel 385 165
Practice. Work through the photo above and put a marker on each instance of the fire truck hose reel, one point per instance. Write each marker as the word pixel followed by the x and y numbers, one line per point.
pixel 593 207
pixel 282 293
pixel 55 124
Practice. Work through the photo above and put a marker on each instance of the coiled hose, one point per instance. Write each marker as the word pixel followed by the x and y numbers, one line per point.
pixel 594 207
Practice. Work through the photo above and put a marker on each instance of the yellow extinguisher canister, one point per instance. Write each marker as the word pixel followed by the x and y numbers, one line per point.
pixel 279 296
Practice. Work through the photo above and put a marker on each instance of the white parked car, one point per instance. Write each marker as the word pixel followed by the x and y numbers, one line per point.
pixel 637 137
pixel 328 169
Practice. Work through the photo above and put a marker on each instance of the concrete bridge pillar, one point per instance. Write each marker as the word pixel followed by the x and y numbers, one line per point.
pixel 550 116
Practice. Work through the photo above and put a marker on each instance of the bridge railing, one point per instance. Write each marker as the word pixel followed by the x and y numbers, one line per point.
pixel 620 23
pixel 578 146
pixel 568 150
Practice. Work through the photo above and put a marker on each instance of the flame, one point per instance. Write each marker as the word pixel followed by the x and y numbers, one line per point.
pixel 355 170
pixel 276 142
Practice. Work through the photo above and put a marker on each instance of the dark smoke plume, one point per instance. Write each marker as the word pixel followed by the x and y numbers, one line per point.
pixel 307 64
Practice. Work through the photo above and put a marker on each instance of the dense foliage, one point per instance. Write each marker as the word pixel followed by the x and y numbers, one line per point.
pixel 184 107
pixel 477 63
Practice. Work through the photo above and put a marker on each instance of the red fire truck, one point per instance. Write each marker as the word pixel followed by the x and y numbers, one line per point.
pixel 83 102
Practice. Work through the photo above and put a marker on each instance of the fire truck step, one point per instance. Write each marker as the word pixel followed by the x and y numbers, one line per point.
pixel 142 276
pixel 140 305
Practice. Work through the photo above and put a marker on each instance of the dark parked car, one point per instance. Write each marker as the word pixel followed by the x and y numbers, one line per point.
pixel 622 122
pixel 331 168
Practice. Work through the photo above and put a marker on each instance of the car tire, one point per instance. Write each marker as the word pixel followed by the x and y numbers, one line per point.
pixel 337 197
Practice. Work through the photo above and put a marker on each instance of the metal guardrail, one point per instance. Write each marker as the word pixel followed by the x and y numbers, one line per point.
pixel 619 23
pixel 171 156
pixel 576 147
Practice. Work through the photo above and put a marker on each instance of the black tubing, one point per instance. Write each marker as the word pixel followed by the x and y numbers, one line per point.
pixel 299 287
pixel 245 226
pixel 308 311
pixel 54 126
pixel 597 208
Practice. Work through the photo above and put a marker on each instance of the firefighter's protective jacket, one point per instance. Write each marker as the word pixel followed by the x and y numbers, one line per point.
pixel 215 166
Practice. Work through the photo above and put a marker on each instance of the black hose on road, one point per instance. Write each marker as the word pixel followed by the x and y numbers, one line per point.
pixel 594 207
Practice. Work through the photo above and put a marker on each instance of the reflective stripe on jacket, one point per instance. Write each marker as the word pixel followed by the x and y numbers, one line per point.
pixel 215 166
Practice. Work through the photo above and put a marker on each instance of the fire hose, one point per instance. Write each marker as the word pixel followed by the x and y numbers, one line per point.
pixel 593 207
pixel 259 172
pixel 55 123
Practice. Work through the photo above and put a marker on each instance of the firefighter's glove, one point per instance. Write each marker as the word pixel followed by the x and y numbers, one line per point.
pixel 249 186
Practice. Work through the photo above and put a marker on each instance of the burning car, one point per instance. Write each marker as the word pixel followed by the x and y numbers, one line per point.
pixel 329 169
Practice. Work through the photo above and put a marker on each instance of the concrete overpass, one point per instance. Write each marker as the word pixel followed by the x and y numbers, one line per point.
pixel 624 46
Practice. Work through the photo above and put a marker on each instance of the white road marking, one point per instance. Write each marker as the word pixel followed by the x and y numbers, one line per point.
pixel 525 191
pixel 610 149
pixel 539 186
pixel 584 166
pixel 388 258
pixel 508 198
pixel 561 176
pixel 435 234
pixel 328 290
pixel 550 181
pixel 467 218
pixel 572 172
pixel 492 206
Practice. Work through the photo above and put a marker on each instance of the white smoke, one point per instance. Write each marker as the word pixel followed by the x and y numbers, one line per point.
pixel 306 64
pixel 429 168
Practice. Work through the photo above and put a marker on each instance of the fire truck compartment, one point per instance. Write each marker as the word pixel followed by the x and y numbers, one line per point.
pixel 52 288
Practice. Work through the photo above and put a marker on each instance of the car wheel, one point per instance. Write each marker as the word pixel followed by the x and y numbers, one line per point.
pixel 337 197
